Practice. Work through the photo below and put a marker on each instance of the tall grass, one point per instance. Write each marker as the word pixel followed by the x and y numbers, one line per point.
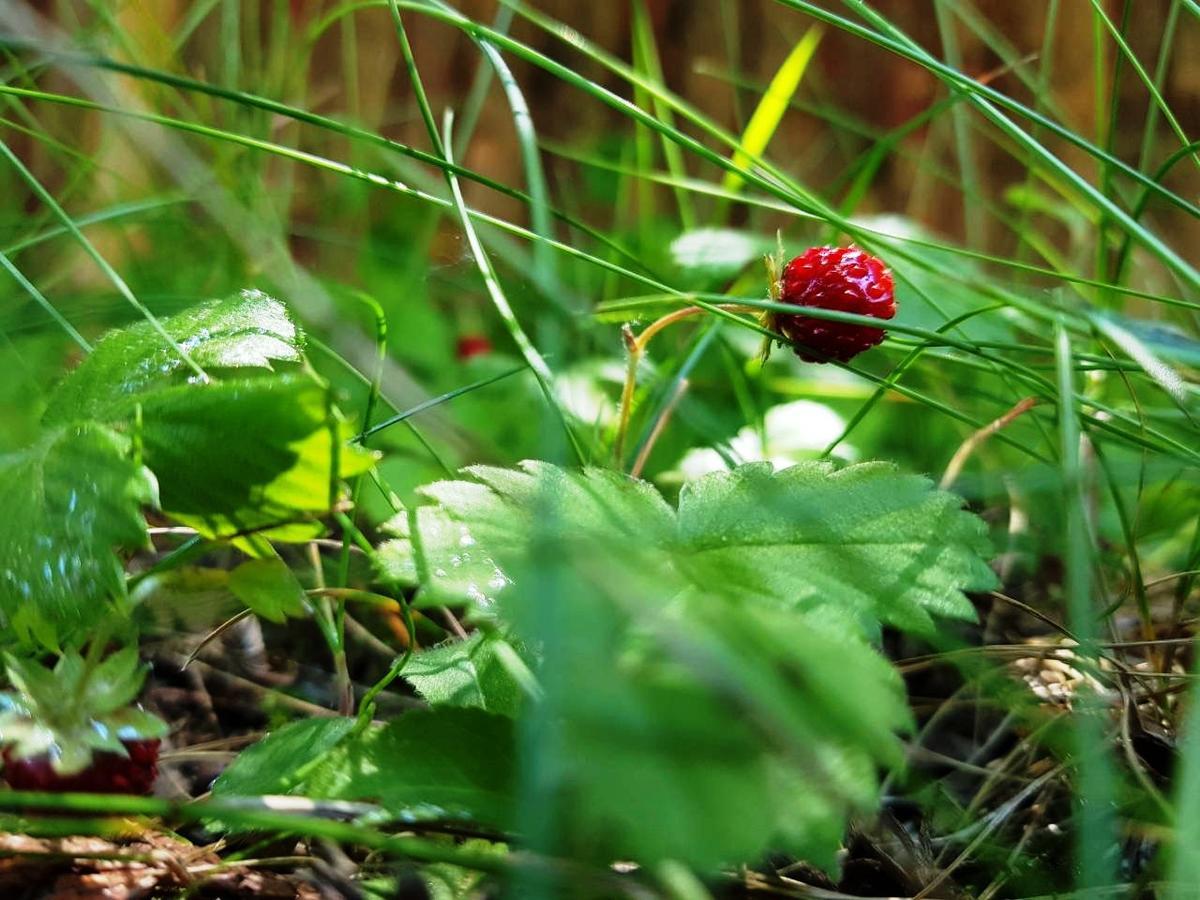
pixel 132 187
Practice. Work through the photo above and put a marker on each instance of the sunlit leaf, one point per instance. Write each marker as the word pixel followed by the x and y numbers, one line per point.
pixel 238 453
pixel 278 763
pixel 246 330
pixel 440 764
pixel 69 501
pixel 269 588
pixel 246 454
pixel 459 569
pixel 429 764
pixel 465 673
pixel 866 541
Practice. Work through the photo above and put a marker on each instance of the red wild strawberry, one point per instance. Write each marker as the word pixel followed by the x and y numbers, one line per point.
pixel 837 278
pixel 75 728
pixel 471 345
pixel 109 773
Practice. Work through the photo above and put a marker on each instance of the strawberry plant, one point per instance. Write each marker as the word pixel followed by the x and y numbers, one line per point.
pixel 476 544
pixel 73 728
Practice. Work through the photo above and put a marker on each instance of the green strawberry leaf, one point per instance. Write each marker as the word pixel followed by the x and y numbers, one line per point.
pixel 277 764
pixel 695 661
pixel 466 673
pixel 73 710
pixel 134 724
pixel 114 683
pixel 235 454
pixel 462 569
pixel 671 721
pixel 269 588
pixel 446 763
pixel 866 541
pixel 69 501
pixel 437 764
pixel 243 455
pixel 246 330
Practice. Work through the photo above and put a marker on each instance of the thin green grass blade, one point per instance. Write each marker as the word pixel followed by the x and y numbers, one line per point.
pixel 418 85
pixel 530 353
pixel 968 13
pixel 477 95
pixel 1151 83
pixel 45 304
pixel 771 108
pixel 646 56
pixel 122 288
pixel 963 145
pixel 1097 833
pixel 1166 45
pixel 989 102
pixel 435 401
pixel 274 107
pixel 195 17
pixel 116 211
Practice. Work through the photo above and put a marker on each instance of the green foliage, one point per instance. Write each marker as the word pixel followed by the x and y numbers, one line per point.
pixel 695 662
pixel 471 672
pixel 441 764
pixel 238 456
pixel 69 500
pixel 269 588
pixel 428 764
pixel 278 763
pixel 449 568
pixel 230 457
pixel 865 541
pixel 74 709
pixel 246 330
pixel 696 677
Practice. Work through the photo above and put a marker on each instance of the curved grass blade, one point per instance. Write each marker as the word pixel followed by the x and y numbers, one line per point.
pixel 534 359
pixel 771 108
pixel 122 288
pixel 44 303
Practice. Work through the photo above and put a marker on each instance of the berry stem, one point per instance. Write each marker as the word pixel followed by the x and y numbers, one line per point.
pixel 634 356
pixel 635 347
pixel 659 427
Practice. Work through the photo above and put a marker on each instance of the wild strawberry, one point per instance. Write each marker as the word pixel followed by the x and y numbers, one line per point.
pixel 836 278
pixel 471 345
pixel 73 728
pixel 108 773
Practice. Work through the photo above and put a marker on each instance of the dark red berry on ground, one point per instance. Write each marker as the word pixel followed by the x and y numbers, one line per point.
pixel 836 278
pixel 109 773
pixel 471 345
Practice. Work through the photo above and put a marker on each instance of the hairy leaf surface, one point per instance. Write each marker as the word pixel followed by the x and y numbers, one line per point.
pixel 696 661
pixel 246 330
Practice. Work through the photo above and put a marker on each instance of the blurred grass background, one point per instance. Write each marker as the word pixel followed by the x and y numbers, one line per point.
pixel 232 193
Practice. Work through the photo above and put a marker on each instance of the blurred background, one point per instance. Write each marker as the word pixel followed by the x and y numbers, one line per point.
pixel 212 190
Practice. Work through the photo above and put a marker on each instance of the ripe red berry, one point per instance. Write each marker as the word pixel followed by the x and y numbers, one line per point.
pixel 471 345
pixel 108 773
pixel 75 727
pixel 836 278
